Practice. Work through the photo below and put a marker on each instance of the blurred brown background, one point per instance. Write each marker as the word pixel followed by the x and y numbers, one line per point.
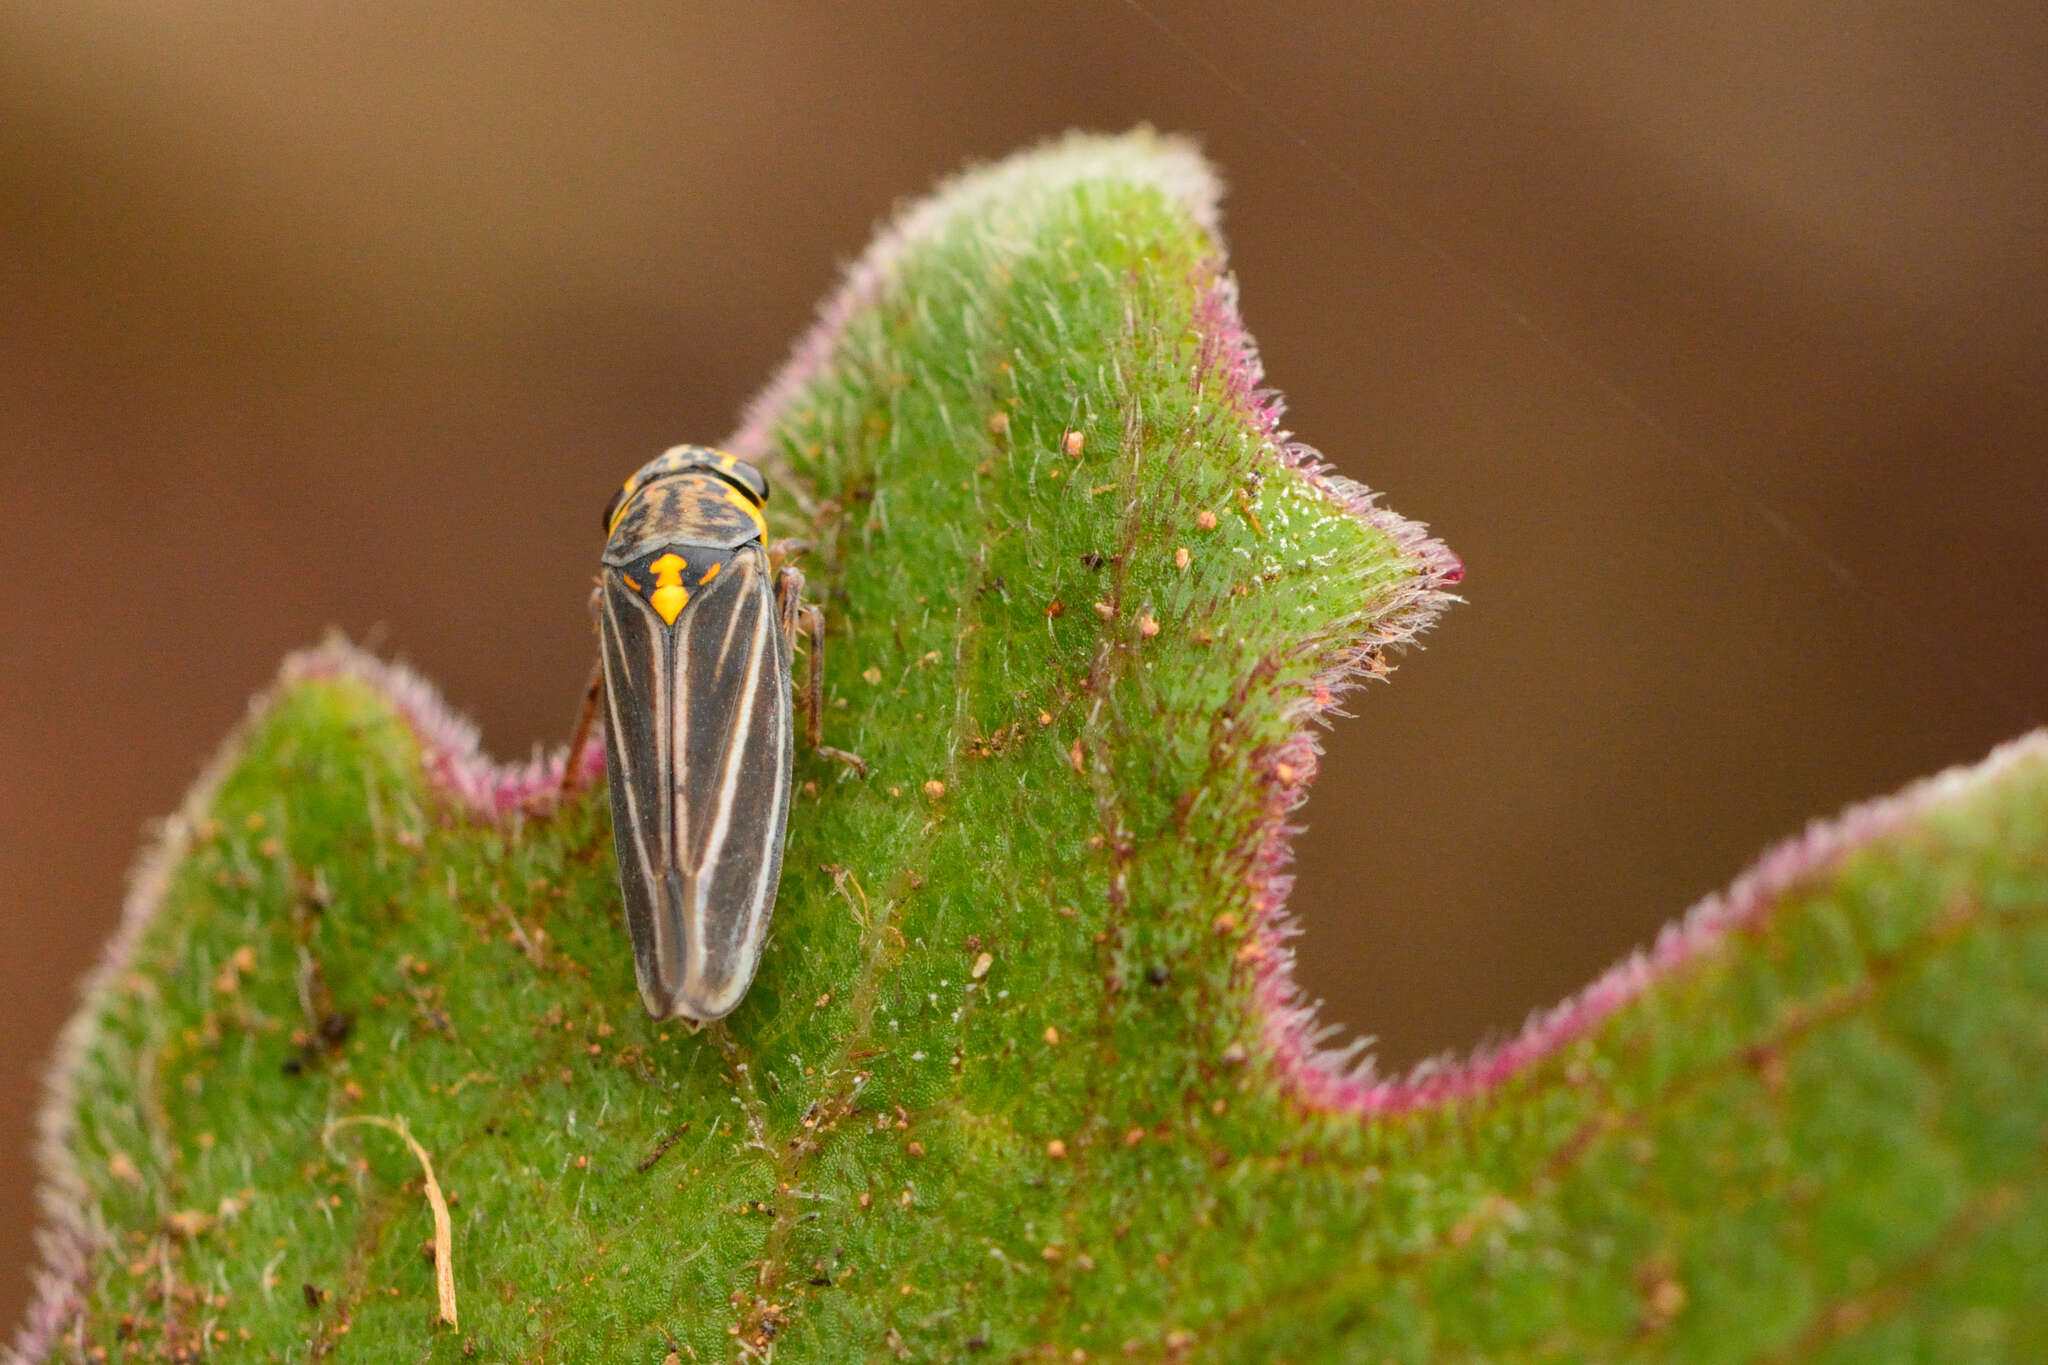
pixel 1710 335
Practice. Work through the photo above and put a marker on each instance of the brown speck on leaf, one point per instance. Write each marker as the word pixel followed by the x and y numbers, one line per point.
pixel 1045 717
pixel 1203 637
pixel 1181 558
pixel 1068 912
pixel 187 1224
pixel 866 1200
pixel 1206 519
pixel 935 789
pixel 1148 626
pixel 1071 443
pixel 982 964
pixel 1076 757
pixel 1105 611
pixel 1664 1298
pixel 1052 1254
pixel 1235 1054
pixel 1052 1035
pixel 1770 1067
pixel 998 423
pixel 914 1149
pixel 871 675
pixel 1056 1149
pixel 121 1166
pixel 1224 923
pixel 1134 1137
pixel 668 1140
pixel 1054 608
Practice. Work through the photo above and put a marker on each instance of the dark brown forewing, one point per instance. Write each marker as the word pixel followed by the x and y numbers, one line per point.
pixel 638 664
pixel 731 713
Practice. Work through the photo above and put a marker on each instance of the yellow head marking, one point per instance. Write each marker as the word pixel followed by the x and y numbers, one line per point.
pixel 669 596
pixel 747 505
pixel 625 501
pixel 711 572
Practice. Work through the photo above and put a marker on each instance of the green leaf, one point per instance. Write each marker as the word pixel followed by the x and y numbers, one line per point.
pixel 1023 1072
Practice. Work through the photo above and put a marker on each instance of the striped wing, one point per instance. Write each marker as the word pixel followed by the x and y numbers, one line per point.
pixel 698 748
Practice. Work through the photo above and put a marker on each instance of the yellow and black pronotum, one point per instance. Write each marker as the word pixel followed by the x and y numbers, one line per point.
pixel 697 623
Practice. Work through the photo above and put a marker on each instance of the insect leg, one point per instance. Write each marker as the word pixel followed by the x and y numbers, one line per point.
pixel 593 696
pixel 813 625
pixel 799 615
pixel 789 600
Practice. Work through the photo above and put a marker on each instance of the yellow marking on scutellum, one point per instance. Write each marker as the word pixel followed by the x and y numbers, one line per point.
pixel 669 596
pixel 711 573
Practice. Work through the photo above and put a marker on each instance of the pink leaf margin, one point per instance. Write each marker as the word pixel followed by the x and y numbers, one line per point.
pixel 451 755
pixel 1334 1080
pixel 996 194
